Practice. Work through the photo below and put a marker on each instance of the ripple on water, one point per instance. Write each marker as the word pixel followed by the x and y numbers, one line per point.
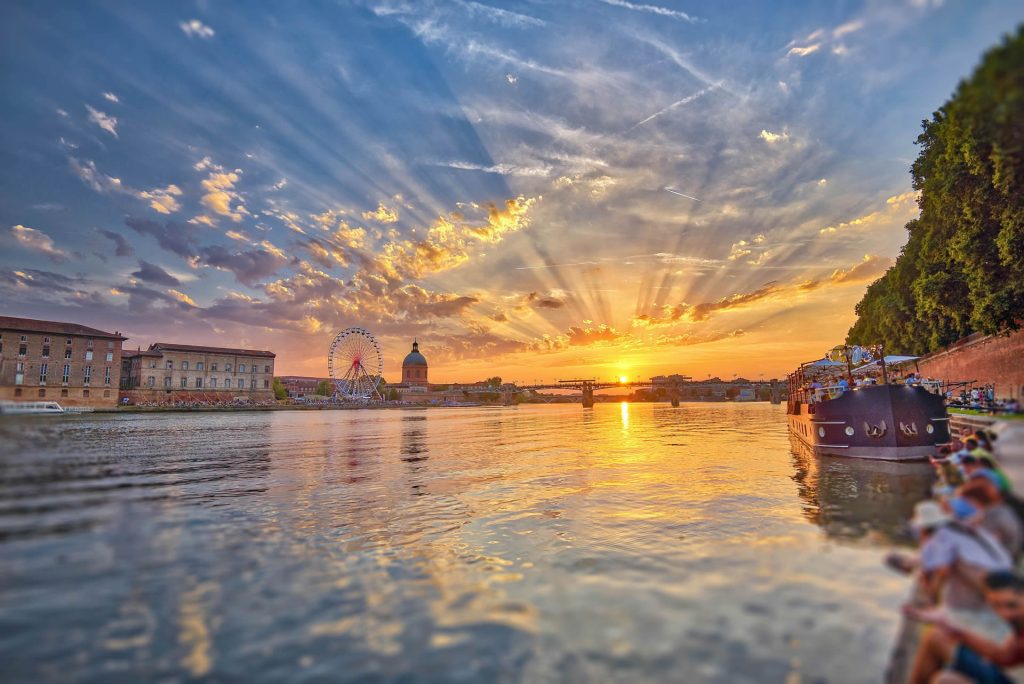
pixel 538 543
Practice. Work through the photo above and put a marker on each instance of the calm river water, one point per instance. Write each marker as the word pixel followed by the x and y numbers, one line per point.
pixel 631 542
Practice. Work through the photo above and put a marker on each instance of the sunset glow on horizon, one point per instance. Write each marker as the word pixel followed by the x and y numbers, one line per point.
pixel 581 189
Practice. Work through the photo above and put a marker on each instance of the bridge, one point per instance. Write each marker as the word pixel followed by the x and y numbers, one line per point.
pixel 675 389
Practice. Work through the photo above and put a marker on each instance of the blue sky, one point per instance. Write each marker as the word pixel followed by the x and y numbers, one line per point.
pixel 533 188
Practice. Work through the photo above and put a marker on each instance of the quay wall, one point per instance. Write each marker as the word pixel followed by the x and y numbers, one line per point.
pixel 213 396
pixel 996 360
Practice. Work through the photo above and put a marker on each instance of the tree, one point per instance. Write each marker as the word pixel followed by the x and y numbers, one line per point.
pixel 962 268
pixel 493 382
pixel 324 388
pixel 280 393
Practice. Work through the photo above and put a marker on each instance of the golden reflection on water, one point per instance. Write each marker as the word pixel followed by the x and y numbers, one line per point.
pixel 537 542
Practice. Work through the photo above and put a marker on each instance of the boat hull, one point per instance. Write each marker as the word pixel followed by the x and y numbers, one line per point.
pixel 882 422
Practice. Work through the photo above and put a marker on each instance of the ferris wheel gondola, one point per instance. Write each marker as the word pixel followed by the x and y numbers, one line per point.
pixel 356 365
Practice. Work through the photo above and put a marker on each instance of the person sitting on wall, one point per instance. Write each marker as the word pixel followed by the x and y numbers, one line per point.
pixel 994 514
pixel 967 655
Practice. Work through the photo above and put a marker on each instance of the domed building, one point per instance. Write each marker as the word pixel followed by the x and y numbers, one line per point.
pixel 414 368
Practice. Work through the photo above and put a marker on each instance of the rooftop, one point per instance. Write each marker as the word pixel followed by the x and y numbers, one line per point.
pixel 171 346
pixel 130 353
pixel 54 327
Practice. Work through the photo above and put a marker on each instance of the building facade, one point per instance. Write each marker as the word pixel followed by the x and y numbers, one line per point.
pixel 69 363
pixel 414 368
pixel 299 386
pixel 169 372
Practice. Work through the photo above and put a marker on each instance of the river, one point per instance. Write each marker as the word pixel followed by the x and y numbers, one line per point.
pixel 632 542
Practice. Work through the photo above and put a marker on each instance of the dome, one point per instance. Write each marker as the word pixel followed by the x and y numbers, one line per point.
pixel 414 358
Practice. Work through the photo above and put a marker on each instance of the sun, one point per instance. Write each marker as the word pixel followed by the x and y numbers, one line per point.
pixel 623 379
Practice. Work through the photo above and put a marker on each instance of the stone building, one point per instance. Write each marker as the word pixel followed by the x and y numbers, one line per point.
pixel 69 363
pixel 169 372
pixel 298 386
pixel 414 368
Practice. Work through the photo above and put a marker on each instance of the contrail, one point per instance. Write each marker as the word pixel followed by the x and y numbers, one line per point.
pixel 676 192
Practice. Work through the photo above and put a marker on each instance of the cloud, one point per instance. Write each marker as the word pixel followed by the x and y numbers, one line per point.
pixel 104 121
pixel 122 247
pixel 872 267
pixel 196 29
pixel 678 103
pixel 772 138
pixel 500 16
pixel 804 51
pixel 38 241
pixel 220 196
pixel 848 27
pixel 651 9
pixel 381 215
pixel 162 200
pixel 175 238
pixel 248 265
pixel 500 169
pixel 152 273
pixel 697 313
pixel 511 78
pixel 181 297
pixel 112 97
pixel 903 205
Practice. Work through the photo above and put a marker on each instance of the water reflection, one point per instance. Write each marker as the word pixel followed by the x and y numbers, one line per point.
pixel 857 499
pixel 628 543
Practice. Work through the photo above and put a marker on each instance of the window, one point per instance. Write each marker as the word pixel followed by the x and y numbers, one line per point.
pixel 266 384
pixel 46 340
pixel 213 367
pixel 184 365
pixel 266 369
pixel 169 365
pixel 110 356
pixel 19 373
pixel 42 392
pixel 22 349
pixel 88 355
pixel 106 376
pixel 241 368
pixel 252 384
pixel 199 383
pixel 63 393
pixel 241 383
pixel 24 339
pixel 152 363
pixel 110 345
pixel 199 366
pixel 213 383
pixel 67 341
pixel 151 381
pixel 43 368
pixel 184 382
pixel 65 376
pixel 106 393
pixel 227 366
pixel 46 351
pixel 88 375
pixel 17 391
pixel 167 382
pixel 88 343
pixel 67 353
pixel 85 393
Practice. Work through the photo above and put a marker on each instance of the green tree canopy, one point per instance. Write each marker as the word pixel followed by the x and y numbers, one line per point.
pixel 324 388
pixel 962 269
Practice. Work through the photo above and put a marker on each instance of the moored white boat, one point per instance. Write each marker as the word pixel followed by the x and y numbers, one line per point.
pixel 30 408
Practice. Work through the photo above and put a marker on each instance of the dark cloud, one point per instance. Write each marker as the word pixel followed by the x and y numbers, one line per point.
pixel 248 265
pixel 152 273
pixel 177 238
pixel 47 281
pixel 122 247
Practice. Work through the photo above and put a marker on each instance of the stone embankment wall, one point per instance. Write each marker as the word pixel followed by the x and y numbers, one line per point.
pixel 222 396
pixel 986 359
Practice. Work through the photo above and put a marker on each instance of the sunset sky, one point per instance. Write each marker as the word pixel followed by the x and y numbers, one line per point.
pixel 533 189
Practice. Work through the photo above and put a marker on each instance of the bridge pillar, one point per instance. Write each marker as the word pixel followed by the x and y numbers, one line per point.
pixel 674 397
pixel 588 395
pixel 776 392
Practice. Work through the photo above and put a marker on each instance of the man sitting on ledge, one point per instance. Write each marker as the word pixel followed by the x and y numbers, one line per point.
pixel 968 656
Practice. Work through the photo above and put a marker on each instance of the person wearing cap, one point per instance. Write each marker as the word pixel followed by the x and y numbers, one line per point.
pixel 953 557
pixel 967 655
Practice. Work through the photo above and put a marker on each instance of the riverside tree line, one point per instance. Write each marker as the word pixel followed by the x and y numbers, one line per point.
pixel 962 269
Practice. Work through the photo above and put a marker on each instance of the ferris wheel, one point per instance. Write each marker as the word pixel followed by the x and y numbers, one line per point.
pixel 355 364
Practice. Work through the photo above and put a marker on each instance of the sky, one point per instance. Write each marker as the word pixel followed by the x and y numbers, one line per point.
pixel 532 189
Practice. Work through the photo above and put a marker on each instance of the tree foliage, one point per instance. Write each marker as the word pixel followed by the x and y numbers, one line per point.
pixel 962 269
pixel 324 388
pixel 280 393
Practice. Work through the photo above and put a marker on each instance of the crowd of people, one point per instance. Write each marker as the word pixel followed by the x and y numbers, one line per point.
pixel 204 403
pixel 981 399
pixel 970 533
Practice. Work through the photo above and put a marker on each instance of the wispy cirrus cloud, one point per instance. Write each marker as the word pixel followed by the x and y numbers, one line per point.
pixel 104 121
pixel 38 241
pixel 651 9
pixel 194 28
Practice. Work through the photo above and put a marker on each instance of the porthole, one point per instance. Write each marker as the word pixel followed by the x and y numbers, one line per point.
pixel 929 428
pixel 849 431
pixel 821 432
